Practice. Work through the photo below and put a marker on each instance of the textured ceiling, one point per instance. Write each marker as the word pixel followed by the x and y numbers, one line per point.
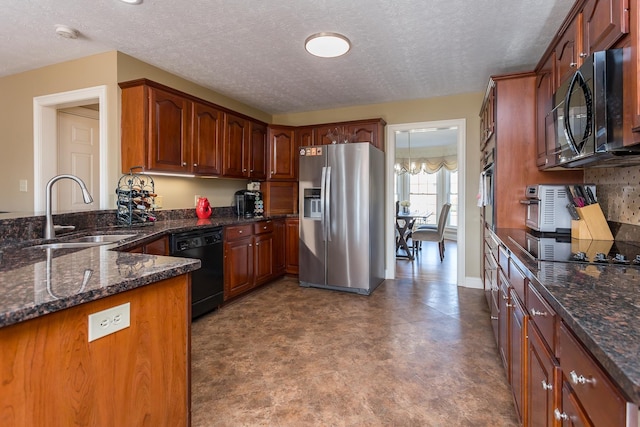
pixel 253 51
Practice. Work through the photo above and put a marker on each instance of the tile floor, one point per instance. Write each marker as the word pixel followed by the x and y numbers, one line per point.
pixel 417 352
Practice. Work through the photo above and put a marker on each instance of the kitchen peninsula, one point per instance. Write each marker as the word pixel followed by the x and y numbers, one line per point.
pixel 52 374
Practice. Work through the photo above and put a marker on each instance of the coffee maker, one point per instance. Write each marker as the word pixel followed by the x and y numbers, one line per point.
pixel 249 203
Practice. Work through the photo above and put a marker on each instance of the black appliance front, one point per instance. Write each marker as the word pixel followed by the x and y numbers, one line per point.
pixel 586 122
pixel 207 283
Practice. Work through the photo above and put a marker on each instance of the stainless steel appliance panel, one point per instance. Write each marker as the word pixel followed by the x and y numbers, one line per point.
pixel 312 250
pixel 352 188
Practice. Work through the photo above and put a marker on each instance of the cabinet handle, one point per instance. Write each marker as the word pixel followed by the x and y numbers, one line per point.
pixel 257 244
pixel 250 245
pixel 239 231
pixel 583 54
pixel 494 317
pixel 184 163
pixel 504 297
pixel 546 385
pixel 560 416
pixel 580 379
pixel 244 170
pixel 573 64
pixel 251 170
pixel 265 227
pixel 195 165
pixel 535 312
pixel 509 305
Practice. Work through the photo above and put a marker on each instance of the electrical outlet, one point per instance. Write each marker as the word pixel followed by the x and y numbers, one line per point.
pixel 195 201
pixel 108 321
pixel 158 200
pixel 23 185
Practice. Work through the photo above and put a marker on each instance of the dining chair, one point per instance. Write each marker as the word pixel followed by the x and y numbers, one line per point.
pixel 428 234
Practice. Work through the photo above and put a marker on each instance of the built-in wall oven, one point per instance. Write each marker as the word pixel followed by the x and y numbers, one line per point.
pixel 207 284
pixel 487 188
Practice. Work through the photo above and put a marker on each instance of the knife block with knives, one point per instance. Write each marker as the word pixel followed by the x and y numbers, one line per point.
pixel 590 223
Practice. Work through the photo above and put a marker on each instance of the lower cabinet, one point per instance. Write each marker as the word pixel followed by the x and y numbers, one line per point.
pixel 292 236
pixel 253 255
pixel 155 247
pixel 554 379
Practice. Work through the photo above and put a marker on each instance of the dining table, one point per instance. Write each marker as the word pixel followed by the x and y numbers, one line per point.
pixel 404 224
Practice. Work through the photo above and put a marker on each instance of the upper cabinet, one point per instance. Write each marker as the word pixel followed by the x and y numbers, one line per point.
pixel 207 129
pixel 487 115
pixel 568 55
pixel 371 131
pixel 283 154
pixel 604 22
pixel 544 103
pixel 165 130
pixel 304 136
pixel 236 140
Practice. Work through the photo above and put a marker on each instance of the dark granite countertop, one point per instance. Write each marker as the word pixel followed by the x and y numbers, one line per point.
pixel 601 305
pixel 35 282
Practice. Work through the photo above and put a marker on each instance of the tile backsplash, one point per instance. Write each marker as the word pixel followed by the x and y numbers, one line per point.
pixel 618 192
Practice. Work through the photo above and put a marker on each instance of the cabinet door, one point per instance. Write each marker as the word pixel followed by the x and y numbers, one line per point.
pixel 304 136
pixel 364 132
pixel 544 104
pixel 572 414
pixel 542 374
pixel 207 141
pixel 279 247
pixel 233 149
pixel 292 245
pixel 604 23
pixel 517 334
pixel 238 266
pixel 169 135
pixel 282 153
pixel 503 320
pixel 566 52
pixel 258 152
pixel 320 134
pixel 157 247
pixel 263 258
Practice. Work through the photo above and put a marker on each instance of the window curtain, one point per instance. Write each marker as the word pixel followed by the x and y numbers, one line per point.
pixel 426 164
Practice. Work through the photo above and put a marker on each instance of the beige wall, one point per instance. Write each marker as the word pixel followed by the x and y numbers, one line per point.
pixel 16 117
pixel 465 106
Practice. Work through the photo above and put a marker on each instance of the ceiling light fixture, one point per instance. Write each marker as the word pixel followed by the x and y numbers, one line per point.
pixel 131 1
pixel 66 32
pixel 327 45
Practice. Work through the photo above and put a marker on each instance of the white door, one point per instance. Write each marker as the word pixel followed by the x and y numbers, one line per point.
pixel 78 154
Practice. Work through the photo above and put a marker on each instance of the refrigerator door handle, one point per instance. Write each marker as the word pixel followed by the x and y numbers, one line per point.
pixel 327 201
pixel 323 208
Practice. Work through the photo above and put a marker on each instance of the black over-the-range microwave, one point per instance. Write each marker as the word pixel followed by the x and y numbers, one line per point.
pixel 585 124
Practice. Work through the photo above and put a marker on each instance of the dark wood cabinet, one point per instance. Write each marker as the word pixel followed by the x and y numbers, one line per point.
pixel 370 130
pixel 504 302
pixel 283 154
pixel 238 260
pixel 542 376
pixel 207 126
pixel 155 247
pixel 257 152
pixel 235 143
pixel 304 136
pixel 487 115
pixel 517 353
pixel 280 197
pixel 169 131
pixel 571 414
pixel 279 247
pixel 544 103
pixel 567 51
pixel 253 255
pixel 292 245
pixel 604 22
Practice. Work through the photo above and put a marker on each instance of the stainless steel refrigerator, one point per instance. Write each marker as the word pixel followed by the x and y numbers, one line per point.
pixel 342 217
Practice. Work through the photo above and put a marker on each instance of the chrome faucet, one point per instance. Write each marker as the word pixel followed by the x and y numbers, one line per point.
pixel 49 228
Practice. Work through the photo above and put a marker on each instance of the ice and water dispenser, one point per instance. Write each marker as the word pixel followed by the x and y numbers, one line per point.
pixel 312 203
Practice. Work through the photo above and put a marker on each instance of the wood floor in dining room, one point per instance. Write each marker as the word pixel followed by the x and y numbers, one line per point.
pixel 419 351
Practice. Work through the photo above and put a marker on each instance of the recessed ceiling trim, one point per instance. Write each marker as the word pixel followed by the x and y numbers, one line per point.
pixel 327 45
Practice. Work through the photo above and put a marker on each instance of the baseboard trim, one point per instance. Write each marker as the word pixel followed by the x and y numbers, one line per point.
pixel 472 282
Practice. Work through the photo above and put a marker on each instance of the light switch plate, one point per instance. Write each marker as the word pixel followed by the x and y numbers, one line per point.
pixel 108 321
pixel 23 185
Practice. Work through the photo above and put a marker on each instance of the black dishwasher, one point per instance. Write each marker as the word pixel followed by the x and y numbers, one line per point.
pixel 207 285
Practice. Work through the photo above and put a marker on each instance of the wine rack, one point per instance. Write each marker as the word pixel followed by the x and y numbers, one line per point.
pixel 135 199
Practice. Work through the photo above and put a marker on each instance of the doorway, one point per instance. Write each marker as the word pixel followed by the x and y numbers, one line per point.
pixel 45 141
pixel 394 135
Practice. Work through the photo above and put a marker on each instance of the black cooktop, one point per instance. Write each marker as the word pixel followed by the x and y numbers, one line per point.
pixel 561 248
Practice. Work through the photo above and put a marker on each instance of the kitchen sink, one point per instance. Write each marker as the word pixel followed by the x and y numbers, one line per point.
pixel 101 238
pixel 84 241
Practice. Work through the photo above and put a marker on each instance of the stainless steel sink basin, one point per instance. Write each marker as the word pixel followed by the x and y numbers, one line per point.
pixel 85 241
pixel 101 238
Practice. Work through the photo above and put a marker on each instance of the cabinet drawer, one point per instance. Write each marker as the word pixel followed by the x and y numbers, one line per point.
pixel 543 316
pixel 238 231
pixel 517 279
pixel 597 394
pixel 263 227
